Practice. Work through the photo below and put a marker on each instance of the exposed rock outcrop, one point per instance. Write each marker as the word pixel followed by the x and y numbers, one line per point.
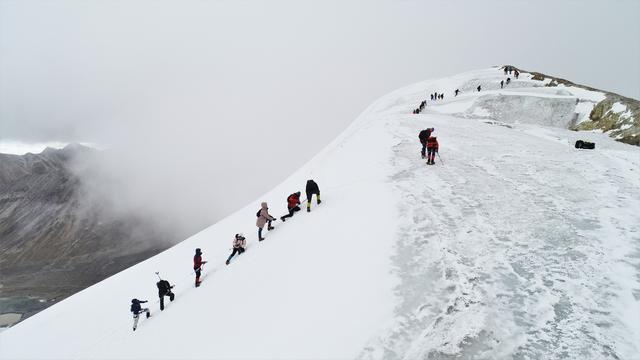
pixel 616 115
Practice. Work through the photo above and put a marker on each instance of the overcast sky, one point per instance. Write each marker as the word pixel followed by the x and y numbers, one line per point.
pixel 234 95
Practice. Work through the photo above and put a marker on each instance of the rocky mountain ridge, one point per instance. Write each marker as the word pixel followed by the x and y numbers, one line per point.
pixel 616 115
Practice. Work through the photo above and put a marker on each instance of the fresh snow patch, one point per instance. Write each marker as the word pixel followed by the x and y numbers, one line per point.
pixel 618 107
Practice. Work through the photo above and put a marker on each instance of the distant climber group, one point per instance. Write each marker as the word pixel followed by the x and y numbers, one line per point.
pixel 435 96
pixel 239 247
pixel 429 142
pixel 508 69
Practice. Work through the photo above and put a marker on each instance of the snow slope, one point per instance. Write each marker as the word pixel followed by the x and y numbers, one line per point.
pixel 517 246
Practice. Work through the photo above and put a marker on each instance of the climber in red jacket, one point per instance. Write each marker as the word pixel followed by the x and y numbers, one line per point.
pixel 432 149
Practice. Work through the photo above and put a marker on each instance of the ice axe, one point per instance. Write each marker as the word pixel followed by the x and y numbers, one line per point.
pixel 158 275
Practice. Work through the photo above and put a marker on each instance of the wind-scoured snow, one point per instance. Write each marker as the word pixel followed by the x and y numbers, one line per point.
pixel 514 245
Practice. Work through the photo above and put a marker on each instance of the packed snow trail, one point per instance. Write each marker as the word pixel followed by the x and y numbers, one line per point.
pixel 508 254
pixel 518 247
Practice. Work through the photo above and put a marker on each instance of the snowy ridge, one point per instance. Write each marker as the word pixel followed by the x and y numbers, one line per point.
pixel 518 246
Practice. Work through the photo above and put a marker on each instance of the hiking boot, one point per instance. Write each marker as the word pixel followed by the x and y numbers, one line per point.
pixel 270 228
pixel 260 239
pixel 227 262
pixel 148 315
pixel 319 202
pixel 308 209
pixel 282 218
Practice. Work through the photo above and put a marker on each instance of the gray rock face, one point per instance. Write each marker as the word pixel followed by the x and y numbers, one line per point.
pixel 53 240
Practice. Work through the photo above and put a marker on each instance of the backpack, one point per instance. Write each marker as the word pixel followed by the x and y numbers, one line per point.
pixel 135 307
pixel 163 286
pixel 258 213
pixel 580 144
pixel 424 135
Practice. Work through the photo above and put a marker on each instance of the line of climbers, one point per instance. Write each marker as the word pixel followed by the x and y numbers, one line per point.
pixel 436 96
pixel 508 70
pixel 239 247
pixel 164 289
pixel 430 145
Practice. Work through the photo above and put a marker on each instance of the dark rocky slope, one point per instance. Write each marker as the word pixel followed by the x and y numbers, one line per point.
pixel 53 241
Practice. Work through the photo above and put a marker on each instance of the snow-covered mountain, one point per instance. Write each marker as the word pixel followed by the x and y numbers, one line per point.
pixel 514 245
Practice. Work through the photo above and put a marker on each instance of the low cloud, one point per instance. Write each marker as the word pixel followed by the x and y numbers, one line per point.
pixel 204 105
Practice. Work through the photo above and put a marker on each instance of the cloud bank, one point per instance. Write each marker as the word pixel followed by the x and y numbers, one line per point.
pixel 204 105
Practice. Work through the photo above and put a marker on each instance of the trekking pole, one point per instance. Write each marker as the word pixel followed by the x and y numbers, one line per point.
pixel 440 158
pixel 158 275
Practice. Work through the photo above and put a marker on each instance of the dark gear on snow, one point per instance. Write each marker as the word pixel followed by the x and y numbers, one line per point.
pixel 581 144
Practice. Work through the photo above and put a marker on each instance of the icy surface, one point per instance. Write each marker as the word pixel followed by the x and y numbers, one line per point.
pixel 515 245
